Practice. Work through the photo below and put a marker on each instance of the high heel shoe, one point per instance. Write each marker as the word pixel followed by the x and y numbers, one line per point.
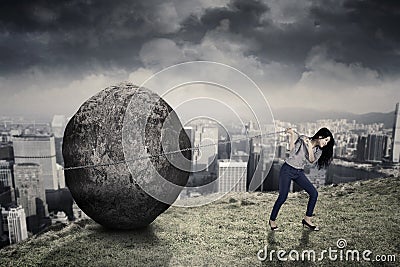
pixel 312 227
pixel 273 228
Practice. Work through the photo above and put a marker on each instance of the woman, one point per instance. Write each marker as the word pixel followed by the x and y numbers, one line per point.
pixel 317 150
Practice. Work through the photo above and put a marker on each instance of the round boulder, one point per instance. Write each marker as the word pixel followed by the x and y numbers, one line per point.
pixel 117 140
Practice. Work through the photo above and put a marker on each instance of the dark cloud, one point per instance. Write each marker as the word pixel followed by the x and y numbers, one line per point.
pixel 331 49
pixel 82 35
pixel 243 16
pixel 379 18
pixel 361 32
pixel 264 38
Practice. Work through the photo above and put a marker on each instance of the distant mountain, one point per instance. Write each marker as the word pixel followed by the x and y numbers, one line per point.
pixel 376 117
pixel 298 115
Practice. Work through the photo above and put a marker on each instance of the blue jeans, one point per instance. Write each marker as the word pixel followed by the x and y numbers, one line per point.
pixel 286 175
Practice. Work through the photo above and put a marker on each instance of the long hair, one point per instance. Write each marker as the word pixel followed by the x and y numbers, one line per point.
pixel 327 151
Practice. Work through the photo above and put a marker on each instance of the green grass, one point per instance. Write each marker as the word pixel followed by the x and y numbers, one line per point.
pixel 230 232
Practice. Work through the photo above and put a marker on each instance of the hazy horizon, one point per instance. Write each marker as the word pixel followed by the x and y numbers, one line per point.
pixel 278 115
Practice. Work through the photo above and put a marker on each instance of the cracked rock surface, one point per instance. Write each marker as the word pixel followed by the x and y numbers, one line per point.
pixel 128 128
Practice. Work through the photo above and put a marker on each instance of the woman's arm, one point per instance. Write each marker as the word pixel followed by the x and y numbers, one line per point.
pixel 308 144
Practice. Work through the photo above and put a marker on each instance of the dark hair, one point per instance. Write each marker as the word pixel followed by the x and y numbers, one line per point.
pixel 327 151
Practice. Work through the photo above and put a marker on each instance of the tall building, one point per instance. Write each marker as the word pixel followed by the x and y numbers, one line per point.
pixel 240 156
pixel 6 174
pixel 6 151
pixel 58 146
pixel 280 151
pixel 224 147
pixel 60 176
pixel 254 158
pixel 58 125
pixel 190 133
pixel 4 214
pixel 1 226
pixel 206 136
pixel 232 176
pixel 7 194
pixel 239 142
pixel 262 153
pixel 361 148
pixel 17 230
pixel 396 136
pixel 375 147
pixel 31 194
pixel 41 150
pixel 271 182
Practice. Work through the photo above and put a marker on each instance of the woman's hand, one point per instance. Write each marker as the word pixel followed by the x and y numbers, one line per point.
pixel 290 131
pixel 306 140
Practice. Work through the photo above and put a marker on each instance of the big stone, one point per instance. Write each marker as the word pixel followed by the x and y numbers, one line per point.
pixel 118 141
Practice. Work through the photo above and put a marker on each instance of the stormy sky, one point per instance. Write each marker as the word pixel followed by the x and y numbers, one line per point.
pixel 325 55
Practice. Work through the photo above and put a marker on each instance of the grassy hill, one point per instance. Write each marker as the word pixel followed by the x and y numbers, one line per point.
pixel 230 232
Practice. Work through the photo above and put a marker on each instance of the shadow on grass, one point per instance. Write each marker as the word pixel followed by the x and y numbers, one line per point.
pixel 100 246
pixel 304 240
pixel 272 243
pixel 141 235
pixel 273 246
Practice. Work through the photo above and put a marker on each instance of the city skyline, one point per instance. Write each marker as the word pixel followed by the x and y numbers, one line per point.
pixel 367 146
pixel 321 56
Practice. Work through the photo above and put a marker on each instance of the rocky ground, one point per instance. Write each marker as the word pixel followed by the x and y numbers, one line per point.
pixel 232 230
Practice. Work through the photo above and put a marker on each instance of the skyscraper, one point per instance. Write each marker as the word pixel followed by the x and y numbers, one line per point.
pixel 254 158
pixel 31 193
pixel 207 137
pixel 7 194
pixel 17 229
pixel 224 147
pixel 5 174
pixel 3 229
pixel 361 148
pixel 6 151
pixel 239 142
pixel 375 147
pixel 58 125
pixel 30 188
pixel 396 136
pixel 4 214
pixel 190 133
pixel 60 176
pixel 1 226
pixel 232 176
pixel 41 150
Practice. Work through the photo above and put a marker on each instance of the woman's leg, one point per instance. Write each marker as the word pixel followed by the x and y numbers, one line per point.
pixel 285 176
pixel 303 181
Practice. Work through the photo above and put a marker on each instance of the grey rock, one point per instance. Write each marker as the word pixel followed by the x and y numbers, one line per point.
pixel 127 127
